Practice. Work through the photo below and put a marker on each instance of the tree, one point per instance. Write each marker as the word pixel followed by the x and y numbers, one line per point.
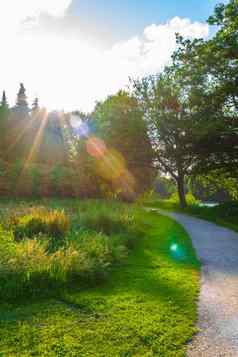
pixel 175 121
pixel 4 100
pixel 216 62
pixel 21 103
pixel 119 122
pixel 4 115
pixel 216 186
pixel 35 106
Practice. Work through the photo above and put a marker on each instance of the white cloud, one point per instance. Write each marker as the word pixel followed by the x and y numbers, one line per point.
pixel 14 12
pixel 65 72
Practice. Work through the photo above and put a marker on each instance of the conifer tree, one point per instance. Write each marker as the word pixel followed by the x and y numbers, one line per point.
pixel 35 105
pixel 4 115
pixel 4 100
pixel 21 103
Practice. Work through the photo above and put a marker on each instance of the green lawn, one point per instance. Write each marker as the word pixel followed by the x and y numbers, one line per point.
pixel 225 214
pixel 147 306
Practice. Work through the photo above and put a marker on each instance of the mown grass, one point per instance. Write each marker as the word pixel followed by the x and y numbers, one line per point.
pixel 146 306
pixel 225 214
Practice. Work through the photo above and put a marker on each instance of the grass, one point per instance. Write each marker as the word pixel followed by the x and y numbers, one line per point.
pixel 225 214
pixel 146 306
pixel 44 248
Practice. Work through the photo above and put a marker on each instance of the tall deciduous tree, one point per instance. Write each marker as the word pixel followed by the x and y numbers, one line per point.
pixel 120 123
pixel 176 124
pixel 216 61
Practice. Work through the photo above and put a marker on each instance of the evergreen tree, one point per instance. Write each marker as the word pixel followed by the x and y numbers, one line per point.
pixel 35 105
pixel 4 115
pixel 4 100
pixel 21 103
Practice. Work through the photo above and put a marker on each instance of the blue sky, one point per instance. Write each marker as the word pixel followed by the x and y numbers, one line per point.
pixel 126 18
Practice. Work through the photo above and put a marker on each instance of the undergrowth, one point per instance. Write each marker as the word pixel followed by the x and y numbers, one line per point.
pixel 44 249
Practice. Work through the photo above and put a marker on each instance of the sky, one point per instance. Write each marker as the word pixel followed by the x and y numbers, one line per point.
pixel 72 53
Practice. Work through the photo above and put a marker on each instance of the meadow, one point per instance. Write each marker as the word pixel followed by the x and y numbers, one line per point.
pixel 94 278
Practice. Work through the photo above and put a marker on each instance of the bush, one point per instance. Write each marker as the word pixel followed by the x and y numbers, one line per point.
pixel 228 211
pixel 191 200
pixel 53 223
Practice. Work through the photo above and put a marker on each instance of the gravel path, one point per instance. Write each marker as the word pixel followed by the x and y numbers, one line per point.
pixel 217 249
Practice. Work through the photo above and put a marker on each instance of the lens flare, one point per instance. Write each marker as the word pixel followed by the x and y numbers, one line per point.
pixel 83 130
pixel 111 166
pixel 178 252
pixel 125 184
pixel 80 127
pixel 96 147
pixel 174 248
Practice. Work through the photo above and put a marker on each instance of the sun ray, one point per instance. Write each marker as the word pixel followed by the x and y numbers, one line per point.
pixel 37 140
pixel 20 135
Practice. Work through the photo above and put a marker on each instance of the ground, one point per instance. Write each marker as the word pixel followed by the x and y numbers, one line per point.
pixel 147 306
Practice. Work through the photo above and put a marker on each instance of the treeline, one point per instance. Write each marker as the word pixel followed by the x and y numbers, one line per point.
pixel 106 153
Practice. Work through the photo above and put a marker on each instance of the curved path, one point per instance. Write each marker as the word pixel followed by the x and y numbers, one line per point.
pixel 217 248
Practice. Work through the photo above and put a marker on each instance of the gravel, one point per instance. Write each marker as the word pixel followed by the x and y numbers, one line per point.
pixel 217 248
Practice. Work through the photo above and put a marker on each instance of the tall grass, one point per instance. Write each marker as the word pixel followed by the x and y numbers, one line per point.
pixel 34 259
pixel 39 220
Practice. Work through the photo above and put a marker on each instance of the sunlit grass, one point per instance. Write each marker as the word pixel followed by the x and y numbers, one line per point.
pixel 145 307
pixel 225 214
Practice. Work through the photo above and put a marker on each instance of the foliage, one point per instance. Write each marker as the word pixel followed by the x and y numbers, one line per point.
pixel 217 186
pixel 215 60
pixel 190 199
pixel 57 175
pixel 119 121
pixel 191 107
pixel 15 173
pixel 95 239
pixel 174 122
pixel 53 223
pixel 164 186
pixel 35 174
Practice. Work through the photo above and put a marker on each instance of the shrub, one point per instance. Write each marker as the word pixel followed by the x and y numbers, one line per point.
pixel 53 223
pixel 191 200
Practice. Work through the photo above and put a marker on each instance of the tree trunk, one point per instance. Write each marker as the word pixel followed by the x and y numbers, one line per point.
pixel 181 192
